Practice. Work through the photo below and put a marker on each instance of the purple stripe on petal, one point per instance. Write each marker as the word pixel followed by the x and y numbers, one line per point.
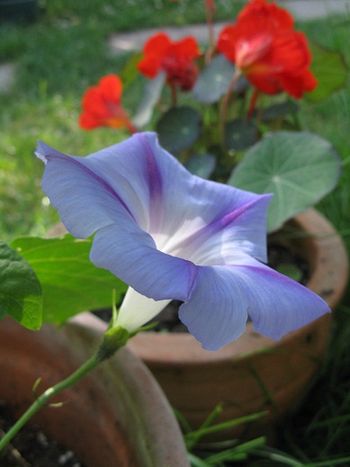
pixel 44 152
pixel 154 178
pixel 229 219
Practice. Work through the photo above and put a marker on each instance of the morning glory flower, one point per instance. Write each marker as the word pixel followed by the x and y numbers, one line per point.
pixel 171 235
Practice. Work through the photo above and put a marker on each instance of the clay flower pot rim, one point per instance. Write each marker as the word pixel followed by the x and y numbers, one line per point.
pixel 119 410
pixel 327 257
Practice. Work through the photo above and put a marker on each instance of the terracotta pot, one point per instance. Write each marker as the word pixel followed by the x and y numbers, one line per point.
pixel 117 416
pixel 254 373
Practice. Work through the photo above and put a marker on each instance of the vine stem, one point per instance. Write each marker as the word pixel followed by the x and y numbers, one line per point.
pixel 43 399
pixel 113 340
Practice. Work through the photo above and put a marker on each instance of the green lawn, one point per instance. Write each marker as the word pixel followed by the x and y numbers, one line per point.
pixel 65 51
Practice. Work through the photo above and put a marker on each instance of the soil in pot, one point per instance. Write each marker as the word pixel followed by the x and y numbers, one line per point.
pixel 31 447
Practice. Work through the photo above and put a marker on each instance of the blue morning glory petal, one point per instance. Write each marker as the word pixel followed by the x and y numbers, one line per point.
pixel 276 304
pixel 171 235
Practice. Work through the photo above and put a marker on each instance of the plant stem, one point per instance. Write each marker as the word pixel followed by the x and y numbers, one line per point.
pixel 173 94
pixel 209 11
pixel 113 340
pixel 46 396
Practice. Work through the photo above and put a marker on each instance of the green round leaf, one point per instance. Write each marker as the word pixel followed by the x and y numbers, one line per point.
pixel 280 110
pixel 330 70
pixel 151 95
pixel 240 134
pixel 213 82
pixel 215 79
pixel 179 128
pixel 202 165
pixel 20 291
pixel 299 168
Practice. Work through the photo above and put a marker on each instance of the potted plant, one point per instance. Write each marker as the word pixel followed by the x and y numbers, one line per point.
pixel 298 168
pixel 120 415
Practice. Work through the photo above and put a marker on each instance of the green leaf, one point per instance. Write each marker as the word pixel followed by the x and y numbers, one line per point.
pixel 240 134
pixel 299 168
pixel 179 128
pixel 280 110
pixel 20 291
pixel 330 70
pixel 151 94
pixel 129 72
pixel 202 165
pixel 214 81
pixel 70 282
pixel 290 270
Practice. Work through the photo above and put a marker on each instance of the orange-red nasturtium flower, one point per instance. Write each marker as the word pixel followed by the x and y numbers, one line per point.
pixel 175 58
pixel 101 105
pixel 265 47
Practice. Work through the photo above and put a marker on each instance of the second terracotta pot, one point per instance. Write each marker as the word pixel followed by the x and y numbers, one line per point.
pixel 254 373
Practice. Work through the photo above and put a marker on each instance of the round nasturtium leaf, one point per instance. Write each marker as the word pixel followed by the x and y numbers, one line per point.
pixel 215 80
pixel 330 70
pixel 151 94
pixel 240 134
pixel 280 110
pixel 179 128
pixel 202 165
pixel 299 168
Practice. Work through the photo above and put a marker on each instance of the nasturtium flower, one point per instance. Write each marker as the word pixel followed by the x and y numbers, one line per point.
pixel 171 235
pixel 175 58
pixel 265 47
pixel 101 105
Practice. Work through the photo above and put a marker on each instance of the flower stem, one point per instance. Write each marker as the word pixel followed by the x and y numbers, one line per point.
pixel 113 340
pixel 209 11
pixel 173 94
pixel 252 103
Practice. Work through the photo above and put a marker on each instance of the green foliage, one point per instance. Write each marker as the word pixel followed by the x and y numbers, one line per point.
pixel 298 168
pixel 330 70
pixel 202 165
pixel 179 128
pixel 70 282
pixel 278 111
pixel 240 134
pixel 150 97
pixel 214 80
pixel 20 291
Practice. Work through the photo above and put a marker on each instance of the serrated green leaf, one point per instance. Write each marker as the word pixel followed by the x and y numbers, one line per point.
pixel 150 97
pixel 20 291
pixel 299 168
pixel 240 134
pixel 179 128
pixel 202 165
pixel 330 70
pixel 70 282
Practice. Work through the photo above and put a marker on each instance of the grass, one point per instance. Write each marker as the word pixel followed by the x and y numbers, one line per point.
pixel 62 53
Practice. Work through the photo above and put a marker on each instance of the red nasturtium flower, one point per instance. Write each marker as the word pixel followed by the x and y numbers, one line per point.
pixel 265 47
pixel 175 58
pixel 101 105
